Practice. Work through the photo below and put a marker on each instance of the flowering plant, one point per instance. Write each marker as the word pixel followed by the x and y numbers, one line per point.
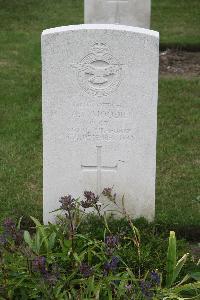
pixel 58 261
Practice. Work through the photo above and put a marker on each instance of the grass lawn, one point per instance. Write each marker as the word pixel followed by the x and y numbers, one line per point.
pixel 178 161
pixel 178 22
pixel 20 107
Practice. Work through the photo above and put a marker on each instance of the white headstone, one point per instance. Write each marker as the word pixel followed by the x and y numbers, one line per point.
pixel 99 87
pixel 126 12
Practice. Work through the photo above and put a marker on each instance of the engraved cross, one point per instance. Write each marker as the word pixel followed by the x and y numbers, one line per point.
pixel 117 16
pixel 99 168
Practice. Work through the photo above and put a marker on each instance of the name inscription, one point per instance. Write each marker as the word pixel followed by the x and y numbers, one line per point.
pixel 103 122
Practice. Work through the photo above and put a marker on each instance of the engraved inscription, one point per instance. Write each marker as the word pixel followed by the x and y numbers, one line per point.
pixel 99 73
pixel 100 134
pixel 100 121
pixel 99 168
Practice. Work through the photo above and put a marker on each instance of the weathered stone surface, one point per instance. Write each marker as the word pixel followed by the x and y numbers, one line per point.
pixel 126 12
pixel 99 113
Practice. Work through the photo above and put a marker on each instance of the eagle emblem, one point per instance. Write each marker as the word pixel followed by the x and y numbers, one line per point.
pixel 99 73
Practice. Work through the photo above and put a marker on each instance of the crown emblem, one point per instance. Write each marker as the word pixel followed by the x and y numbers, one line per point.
pixel 99 48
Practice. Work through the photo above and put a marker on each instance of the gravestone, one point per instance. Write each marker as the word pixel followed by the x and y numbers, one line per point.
pixel 126 12
pixel 99 86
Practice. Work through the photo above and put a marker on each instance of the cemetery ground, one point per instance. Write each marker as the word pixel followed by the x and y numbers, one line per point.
pixel 21 129
pixel 178 176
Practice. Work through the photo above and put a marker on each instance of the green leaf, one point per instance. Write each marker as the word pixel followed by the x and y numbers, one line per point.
pixel 41 229
pixel 97 291
pixel 171 259
pixel 19 223
pixel 37 242
pixel 132 276
pixel 179 266
pixel 37 223
pixel 185 278
pixel 77 257
pixel 195 275
pixel 52 239
pixel 90 285
pixel 106 223
pixel 109 294
pixel 190 287
pixel 28 239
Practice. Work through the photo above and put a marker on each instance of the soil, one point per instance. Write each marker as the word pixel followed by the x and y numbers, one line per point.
pixel 179 63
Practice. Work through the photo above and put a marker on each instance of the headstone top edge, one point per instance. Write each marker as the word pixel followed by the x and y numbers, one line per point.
pixel 101 26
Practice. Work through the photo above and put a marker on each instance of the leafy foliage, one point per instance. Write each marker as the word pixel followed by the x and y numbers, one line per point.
pixel 61 261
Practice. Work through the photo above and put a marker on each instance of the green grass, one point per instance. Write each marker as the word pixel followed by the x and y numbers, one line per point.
pixel 20 108
pixel 178 22
pixel 178 161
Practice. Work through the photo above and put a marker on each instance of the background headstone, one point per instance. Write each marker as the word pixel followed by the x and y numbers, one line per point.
pixel 126 12
pixel 100 114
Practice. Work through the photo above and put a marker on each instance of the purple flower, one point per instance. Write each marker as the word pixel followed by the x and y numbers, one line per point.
pixel 114 262
pixel 111 241
pixel 86 270
pixel 86 204
pixel 3 240
pixel 9 226
pixel 11 231
pixel 53 276
pixel 39 264
pixel 18 236
pixel 107 192
pixel 8 223
pixel 91 199
pixel 146 289
pixel 155 277
pixel 90 196
pixel 111 266
pixel 68 203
